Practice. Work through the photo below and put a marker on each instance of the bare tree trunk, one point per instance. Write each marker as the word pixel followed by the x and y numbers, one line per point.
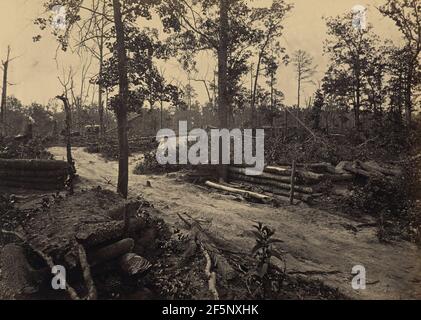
pixel 223 78
pixel 299 90
pixel 101 65
pixel 408 96
pixel 4 94
pixel 121 111
pixel 100 102
pixel 358 100
pixel 68 123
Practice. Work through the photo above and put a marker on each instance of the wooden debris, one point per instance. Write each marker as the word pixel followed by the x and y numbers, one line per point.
pixel 17 279
pixel 92 235
pixel 132 264
pixel 277 184
pixel 86 270
pixel 200 239
pixel 111 252
pixel 254 195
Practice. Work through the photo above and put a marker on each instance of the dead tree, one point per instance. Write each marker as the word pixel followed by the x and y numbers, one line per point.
pixel 5 68
pixel 304 70
pixel 70 161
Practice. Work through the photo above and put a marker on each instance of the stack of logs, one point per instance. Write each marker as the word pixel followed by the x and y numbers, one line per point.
pixel 33 174
pixel 299 181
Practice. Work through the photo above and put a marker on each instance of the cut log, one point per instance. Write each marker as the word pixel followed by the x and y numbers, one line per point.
pixel 132 264
pixel 111 252
pixel 34 180
pixel 100 233
pixel 254 195
pixel 276 191
pixel 31 186
pixel 17 276
pixel 307 175
pixel 33 165
pixel 33 173
pixel 277 184
pixel 269 176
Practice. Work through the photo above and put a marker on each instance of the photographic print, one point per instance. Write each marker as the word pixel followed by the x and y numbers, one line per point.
pixel 210 150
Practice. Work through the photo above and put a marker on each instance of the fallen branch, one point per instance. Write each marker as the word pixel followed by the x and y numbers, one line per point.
pixel 86 270
pixel 211 274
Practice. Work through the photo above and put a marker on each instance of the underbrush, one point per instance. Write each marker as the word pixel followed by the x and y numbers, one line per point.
pixel 149 165
pixel 32 149
pixel 109 148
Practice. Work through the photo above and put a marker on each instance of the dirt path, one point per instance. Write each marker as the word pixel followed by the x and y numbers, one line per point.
pixel 317 244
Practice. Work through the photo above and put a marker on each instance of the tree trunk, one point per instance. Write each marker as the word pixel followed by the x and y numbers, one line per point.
pixel 101 67
pixel 4 95
pixel 299 90
pixel 357 102
pixel 408 96
pixel 68 122
pixel 123 164
pixel 223 78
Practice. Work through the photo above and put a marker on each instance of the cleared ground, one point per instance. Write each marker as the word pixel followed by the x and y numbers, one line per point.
pixel 317 244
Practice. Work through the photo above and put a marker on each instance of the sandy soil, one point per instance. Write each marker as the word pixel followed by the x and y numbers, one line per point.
pixel 317 244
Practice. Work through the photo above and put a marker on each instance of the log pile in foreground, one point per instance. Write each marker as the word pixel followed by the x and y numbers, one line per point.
pixel 305 183
pixel 33 174
pixel 78 232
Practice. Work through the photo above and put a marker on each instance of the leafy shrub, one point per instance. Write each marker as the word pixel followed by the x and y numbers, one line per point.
pixel 33 149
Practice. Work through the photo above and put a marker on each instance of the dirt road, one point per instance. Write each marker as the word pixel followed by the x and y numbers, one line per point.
pixel 317 244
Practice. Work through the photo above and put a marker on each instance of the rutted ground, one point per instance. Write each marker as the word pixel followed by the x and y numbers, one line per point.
pixel 317 244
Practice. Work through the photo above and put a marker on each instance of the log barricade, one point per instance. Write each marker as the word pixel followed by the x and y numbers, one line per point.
pixel 33 174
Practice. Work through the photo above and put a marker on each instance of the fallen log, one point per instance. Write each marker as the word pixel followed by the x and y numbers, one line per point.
pixel 110 252
pixel 353 167
pixel 33 173
pixel 210 273
pixel 276 191
pixel 100 233
pixel 86 271
pixel 47 259
pixel 17 276
pixel 31 186
pixel 33 165
pixel 307 175
pixel 33 180
pixel 262 181
pixel 262 175
pixel 254 195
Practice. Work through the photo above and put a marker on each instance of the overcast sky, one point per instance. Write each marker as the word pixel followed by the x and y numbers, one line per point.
pixel 35 71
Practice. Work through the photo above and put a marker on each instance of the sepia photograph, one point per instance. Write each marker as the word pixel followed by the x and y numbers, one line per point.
pixel 211 155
